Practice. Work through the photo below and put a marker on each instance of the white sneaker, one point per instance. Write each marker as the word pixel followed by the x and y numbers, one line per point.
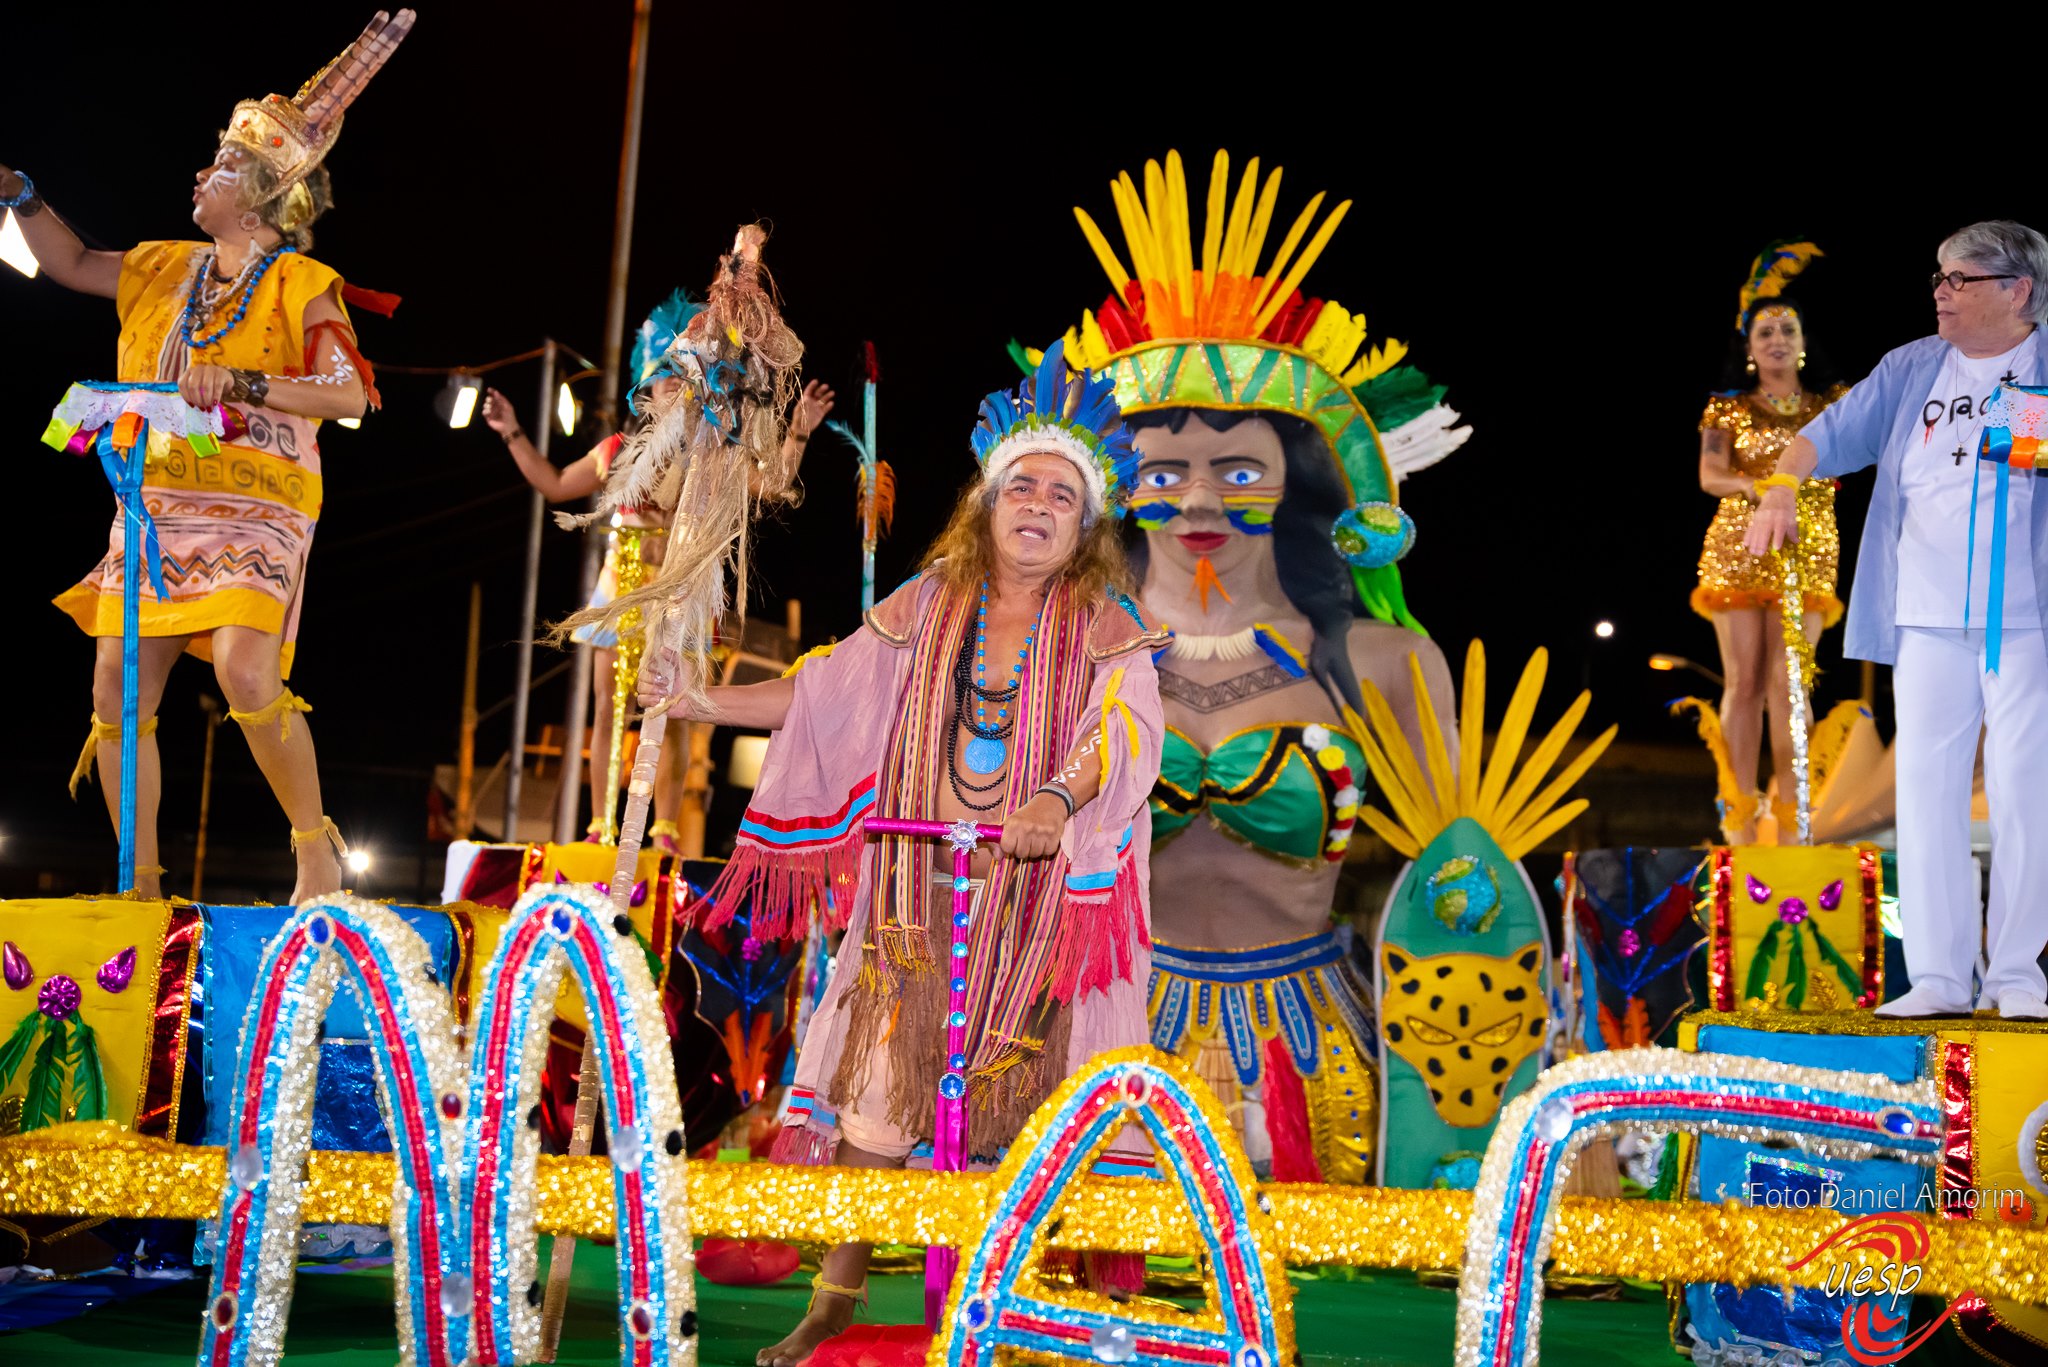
pixel 2018 1004
pixel 1923 1003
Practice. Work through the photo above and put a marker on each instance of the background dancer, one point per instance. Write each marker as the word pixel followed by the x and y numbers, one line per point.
pixel 646 530
pixel 247 320
pixel 1773 391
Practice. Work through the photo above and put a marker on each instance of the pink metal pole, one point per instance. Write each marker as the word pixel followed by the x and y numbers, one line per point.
pixel 949 1126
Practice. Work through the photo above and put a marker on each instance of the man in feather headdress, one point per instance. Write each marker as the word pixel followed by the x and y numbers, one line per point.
pixel 1011 680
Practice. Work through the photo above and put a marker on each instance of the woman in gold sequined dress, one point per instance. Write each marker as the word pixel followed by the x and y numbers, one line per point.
pixel 1742 434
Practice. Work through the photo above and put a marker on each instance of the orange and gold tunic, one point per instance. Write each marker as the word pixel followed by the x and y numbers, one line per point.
pixel 235 527
pixel 1731 578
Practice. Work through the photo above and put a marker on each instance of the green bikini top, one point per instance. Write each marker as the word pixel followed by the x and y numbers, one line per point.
pixel 1289 789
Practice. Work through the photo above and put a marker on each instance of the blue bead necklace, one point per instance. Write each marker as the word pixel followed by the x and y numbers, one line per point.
pixel 987 751
pixel 193 306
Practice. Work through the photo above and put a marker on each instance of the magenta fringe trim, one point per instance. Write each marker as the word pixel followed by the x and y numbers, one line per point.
pixel 1099 935
pixel 801 1144
pixel 783 886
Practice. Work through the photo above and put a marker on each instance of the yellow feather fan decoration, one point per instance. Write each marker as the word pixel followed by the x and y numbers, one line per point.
pixel 1501 793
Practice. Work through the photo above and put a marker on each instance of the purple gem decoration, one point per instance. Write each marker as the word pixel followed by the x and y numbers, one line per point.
pixel 59 997
pixel 1831 896
pixel 116 973
pixel 1792 910
pixel 1759 891
pixel 639 893
pixel 1631 943
pixel 14 964
pixel 750 949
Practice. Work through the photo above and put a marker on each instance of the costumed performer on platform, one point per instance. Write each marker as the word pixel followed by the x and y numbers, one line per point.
pixel 1772 393
pixel 1010 681
pixel 1927 602
pixel 1269 446
pixel 637 536
pixel 248 320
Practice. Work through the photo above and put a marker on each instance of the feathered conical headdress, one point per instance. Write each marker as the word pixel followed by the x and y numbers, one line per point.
pixel 1072 414
pixel 291 136
pixel 650 345
pixel 1772 270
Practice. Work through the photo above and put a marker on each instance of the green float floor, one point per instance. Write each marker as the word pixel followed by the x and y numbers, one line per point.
pixel 342 1319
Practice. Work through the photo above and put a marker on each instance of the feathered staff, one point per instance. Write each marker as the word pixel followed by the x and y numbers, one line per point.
pixel 877 482
pixel 706 455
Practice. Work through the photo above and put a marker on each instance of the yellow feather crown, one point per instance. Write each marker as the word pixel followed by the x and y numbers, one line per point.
pixel 1227 297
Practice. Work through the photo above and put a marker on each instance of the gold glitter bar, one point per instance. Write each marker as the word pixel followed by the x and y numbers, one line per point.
pixel 99 1169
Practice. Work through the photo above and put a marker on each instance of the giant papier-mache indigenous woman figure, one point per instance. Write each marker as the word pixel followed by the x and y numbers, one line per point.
pixel 247 320
pixel 1744 431
pixel 1010 682
pixel 1270 442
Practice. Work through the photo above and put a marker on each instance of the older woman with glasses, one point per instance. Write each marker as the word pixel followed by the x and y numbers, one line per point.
pixel 1927 582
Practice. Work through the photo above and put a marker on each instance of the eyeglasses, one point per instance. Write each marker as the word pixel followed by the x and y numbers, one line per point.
pixel 1956 279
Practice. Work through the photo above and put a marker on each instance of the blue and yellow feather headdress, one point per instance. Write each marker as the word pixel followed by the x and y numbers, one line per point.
pixel 1772 270
pixel 1073 414
pixel 657 335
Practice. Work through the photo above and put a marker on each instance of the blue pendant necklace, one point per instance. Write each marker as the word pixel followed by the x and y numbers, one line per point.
pixel 987 751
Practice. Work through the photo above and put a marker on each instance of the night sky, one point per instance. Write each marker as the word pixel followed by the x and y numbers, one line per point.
pixel 1557 227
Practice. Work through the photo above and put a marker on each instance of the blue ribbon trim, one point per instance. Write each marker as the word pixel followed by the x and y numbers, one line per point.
pixel 124 476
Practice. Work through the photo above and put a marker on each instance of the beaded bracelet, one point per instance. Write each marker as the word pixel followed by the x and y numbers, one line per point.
pixel 22 196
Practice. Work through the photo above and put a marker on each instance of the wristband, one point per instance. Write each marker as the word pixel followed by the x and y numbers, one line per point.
pixel 1059 790
pixel 22 196
pixel 251 387
pixel 1770 482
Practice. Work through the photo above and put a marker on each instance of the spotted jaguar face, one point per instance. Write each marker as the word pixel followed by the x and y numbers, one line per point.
pixel 1464 1022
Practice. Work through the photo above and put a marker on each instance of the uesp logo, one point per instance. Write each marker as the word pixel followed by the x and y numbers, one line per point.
pixel 1900 1240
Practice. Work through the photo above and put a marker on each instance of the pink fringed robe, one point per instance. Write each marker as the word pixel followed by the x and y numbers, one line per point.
pixel 876 1045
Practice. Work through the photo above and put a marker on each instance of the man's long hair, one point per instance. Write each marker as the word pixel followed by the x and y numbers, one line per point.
pixel 965 553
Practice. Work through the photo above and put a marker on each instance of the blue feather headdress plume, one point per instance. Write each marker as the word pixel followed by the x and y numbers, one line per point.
pixel 656 336
pixel 1075 415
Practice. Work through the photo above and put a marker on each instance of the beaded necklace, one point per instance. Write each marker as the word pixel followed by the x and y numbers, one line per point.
pixel 1787 405
pixel 197 306
pixel 988 751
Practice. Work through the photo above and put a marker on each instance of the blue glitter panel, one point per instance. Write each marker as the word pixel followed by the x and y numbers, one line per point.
pixel 345 1114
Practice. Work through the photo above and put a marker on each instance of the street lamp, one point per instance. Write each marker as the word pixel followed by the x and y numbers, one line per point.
pixel 1603 629
pixel 457 401
pixel 14 247
pixel 1665 664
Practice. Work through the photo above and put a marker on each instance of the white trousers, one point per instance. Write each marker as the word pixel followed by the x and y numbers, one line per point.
pixel 1944 697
